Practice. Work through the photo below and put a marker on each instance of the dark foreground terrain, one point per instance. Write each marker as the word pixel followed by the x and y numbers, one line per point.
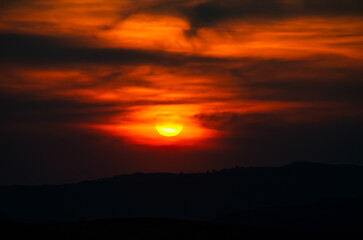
pixel 161 229
pixel 301 200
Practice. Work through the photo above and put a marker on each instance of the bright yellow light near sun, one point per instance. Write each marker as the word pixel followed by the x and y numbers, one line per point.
pixel 169 129
pixel 168 124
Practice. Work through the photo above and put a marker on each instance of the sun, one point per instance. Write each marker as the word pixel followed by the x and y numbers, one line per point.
pixel 169 129
pixel 168 124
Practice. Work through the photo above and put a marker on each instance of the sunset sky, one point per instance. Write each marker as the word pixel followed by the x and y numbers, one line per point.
pixel 85 84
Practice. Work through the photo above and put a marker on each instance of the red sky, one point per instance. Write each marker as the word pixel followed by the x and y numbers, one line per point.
pixel 84 82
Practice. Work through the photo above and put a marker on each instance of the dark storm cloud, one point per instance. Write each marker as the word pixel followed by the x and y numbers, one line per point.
pixel 117 79
pixel 17 109
pixel 234 122
pixel 219 120
pixel 309 79
pixel 41 50
pixel 307 90
pixel 33 109
pixel 210 13
pixel 310 115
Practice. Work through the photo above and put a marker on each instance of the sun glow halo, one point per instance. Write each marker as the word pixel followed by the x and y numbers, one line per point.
pixel 162 125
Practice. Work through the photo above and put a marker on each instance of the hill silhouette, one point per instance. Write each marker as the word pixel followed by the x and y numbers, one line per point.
pixel 300 196
pixel 148 228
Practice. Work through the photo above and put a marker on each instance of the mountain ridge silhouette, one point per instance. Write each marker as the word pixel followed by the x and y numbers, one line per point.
pixel 252 193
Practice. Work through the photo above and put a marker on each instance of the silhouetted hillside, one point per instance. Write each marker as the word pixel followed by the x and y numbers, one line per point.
pixel 343 215
pixel 250 196
pixel 157 229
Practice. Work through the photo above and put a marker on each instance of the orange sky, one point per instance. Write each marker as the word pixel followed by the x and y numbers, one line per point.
pixel 112 67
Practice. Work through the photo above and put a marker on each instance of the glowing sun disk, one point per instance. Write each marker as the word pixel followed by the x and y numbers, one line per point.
pixel 169 130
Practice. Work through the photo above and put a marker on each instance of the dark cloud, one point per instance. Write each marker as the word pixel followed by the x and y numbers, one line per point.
pixel 30 109
pixel 41 50
pixel 118 79
pixel 210 13
pixel 219 120
pixel 308 79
